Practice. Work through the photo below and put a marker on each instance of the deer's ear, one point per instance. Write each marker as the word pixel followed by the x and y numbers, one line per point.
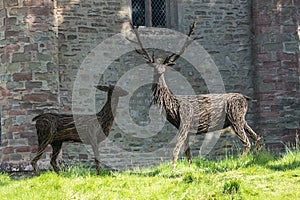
pixel 102 88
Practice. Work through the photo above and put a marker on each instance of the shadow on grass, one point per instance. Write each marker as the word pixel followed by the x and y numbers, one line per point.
pixel 283 167
pixel 288 161
pixel 84 171
pixel 151 173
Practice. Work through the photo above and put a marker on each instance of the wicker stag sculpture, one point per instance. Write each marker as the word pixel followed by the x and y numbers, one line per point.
pixel 196 113
pixel 55 128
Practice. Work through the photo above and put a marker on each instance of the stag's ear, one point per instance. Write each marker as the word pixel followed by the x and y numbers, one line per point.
pixel 102 88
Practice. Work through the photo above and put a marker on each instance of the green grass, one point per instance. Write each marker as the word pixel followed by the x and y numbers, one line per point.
pixel 260 176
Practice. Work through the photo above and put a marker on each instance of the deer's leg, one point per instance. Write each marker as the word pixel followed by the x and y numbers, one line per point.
pixel 95 147
pixel 56 147
pixel 182 135
pixel 237 109
pixel 40 151
pixel 188 150
pixel 254 136
pixel 240 132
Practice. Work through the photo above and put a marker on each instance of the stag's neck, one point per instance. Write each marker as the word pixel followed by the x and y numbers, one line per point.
pixel 165 100
pixel 159 79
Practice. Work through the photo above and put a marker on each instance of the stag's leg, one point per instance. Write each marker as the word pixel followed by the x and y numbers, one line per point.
pixel 56 147
pixel 188 150
pixel 240 132
pixel 237 109
pixel 41 150
pixel 254 136
pixel 182 135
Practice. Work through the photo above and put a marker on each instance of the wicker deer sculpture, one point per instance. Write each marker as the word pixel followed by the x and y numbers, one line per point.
pixel 56 128
pixel 196 113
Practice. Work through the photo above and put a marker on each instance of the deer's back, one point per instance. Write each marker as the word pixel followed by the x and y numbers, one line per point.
pixel 209 111
pixel 59 127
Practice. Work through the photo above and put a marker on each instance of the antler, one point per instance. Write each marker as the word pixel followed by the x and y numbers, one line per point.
pixel 170 60
pixel 142 50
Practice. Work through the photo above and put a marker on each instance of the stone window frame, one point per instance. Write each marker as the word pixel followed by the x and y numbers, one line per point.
pixel 171 14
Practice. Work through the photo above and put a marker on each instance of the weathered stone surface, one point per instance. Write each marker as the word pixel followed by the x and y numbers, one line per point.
pixel 276 68
pixel 22 76
pixel 21 57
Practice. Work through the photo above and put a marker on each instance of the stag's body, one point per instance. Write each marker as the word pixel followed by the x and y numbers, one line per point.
pixel 196 113
pixel 203 113
pixel 56 128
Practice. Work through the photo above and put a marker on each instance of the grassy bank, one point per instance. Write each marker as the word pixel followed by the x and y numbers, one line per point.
pixel 261 176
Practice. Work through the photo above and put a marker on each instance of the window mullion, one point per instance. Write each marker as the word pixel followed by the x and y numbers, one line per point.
pixel 148 13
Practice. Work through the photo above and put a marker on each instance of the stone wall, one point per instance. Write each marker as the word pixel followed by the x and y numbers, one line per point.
pixel 29 73
pixel 276 62
pixel 254 44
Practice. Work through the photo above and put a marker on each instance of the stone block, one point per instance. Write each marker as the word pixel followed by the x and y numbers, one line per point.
pixel 269 47
pixel 12 48
pixel 22 76
pixel 33 3
pixel 291 47
pixel 18 142
pixel 18 11
pixel 40 27
pixel 13 67
pixel 14 85
pixel 8 150
pixel 35 66
pixel 15 157
pixel 31 47
pixel 40 11
pixel 12 129
pixel 17 112
pixel 87 30
pixel 49 77
pixel 23 149
pixel 11 21
pixel 33 85
pixel 21 57
pixel 41 97
pixel 10 3
pixel 22 120
pixel 11 33
pixel 44 57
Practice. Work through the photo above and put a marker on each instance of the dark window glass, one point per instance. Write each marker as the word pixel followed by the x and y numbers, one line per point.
pixel 149 12
pixel 158 13
pixel 138 11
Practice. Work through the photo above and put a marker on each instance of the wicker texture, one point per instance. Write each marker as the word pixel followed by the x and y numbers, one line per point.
pixel 196 113
pixel 56 128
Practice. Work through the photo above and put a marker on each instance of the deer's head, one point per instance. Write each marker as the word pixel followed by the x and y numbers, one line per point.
pixel 160 65
pixel 111 89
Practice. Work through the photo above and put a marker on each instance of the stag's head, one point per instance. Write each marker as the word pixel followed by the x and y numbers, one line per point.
pixel 111 89
pixel 160 65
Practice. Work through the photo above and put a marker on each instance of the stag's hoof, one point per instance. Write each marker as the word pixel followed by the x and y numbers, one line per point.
pixel 35 168
pixel 245 152
pixel 173 167
pixel 257 144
